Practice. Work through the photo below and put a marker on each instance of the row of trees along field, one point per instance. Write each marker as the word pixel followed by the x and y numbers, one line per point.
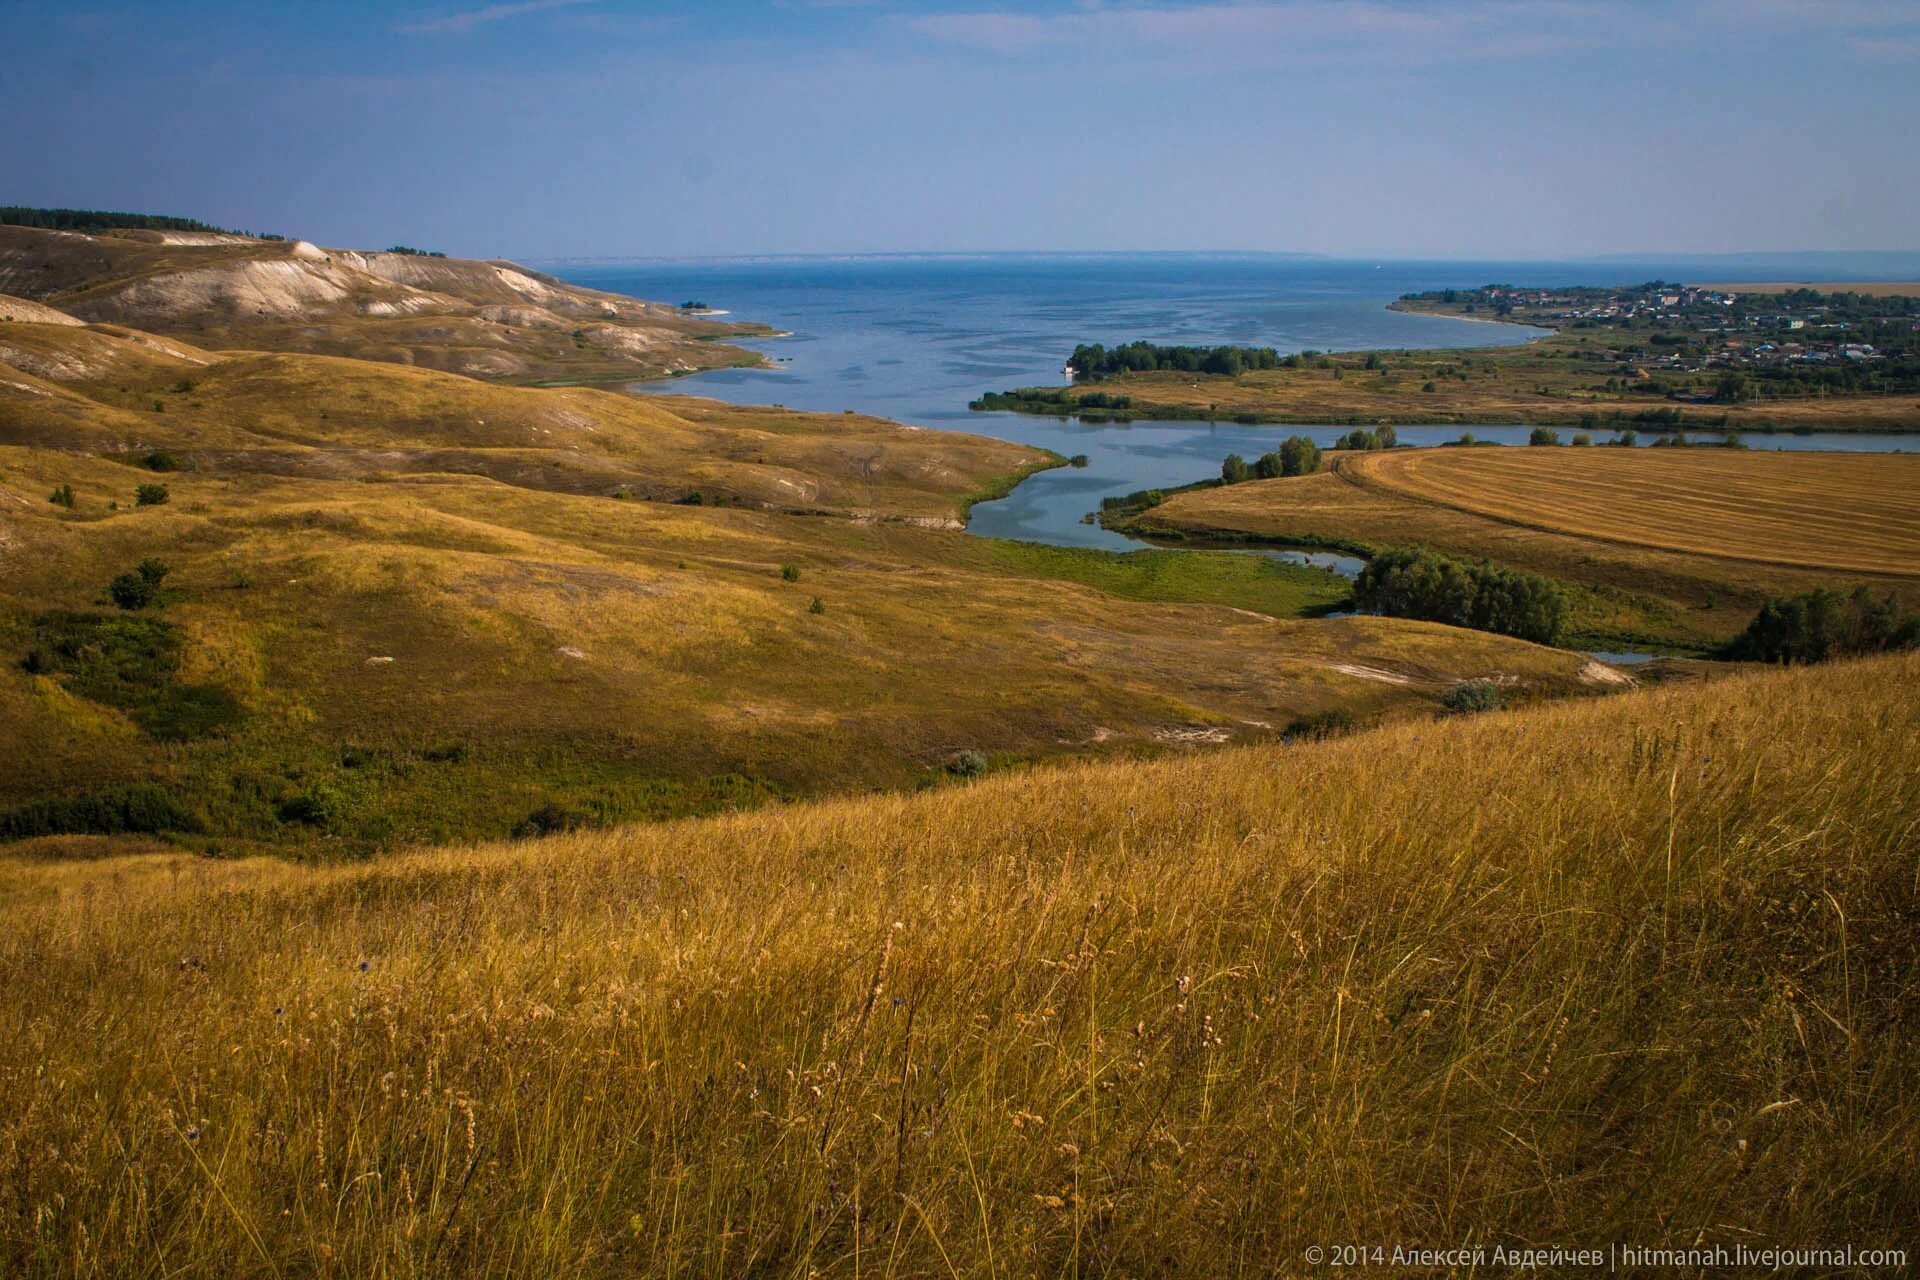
pixel 15 215
pixel 1091 362
pixel 1296 456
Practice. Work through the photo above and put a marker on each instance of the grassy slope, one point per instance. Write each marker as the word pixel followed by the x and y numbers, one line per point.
pixel 1639 969
pixel 1549 381
pixel 1624 594
pixel 625 659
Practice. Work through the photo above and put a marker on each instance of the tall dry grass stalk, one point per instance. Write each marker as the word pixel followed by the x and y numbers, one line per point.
pixel 1641 969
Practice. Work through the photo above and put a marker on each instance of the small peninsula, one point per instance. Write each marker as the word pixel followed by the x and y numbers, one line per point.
pixel 1655 356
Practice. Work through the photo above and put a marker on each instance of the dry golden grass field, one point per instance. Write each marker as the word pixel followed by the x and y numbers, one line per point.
pixel 1846 511
pixel 1693 594
pixel 1640 969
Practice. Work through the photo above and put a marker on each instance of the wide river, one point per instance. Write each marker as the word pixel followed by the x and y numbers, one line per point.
pixel 916 338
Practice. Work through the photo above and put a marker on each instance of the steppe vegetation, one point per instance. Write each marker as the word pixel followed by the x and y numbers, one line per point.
pixel 1639 968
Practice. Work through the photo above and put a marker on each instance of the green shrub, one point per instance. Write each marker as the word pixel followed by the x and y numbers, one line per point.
pixel 548 820
pixel 132 807
pixel 62 497
pixel 319 805
pixel 140 586
pixel 181 713
pixel 1234 469
pixel 120 661
pixel 151 495
pixel 131 663
pixel 161 460
pixel 967 764
pixel 1473 695
pixel 1319 725
pixel 1544 436
pixel 818 606
pixel 790 573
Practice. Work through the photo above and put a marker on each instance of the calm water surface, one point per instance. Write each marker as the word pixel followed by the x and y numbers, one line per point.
pixel 915 339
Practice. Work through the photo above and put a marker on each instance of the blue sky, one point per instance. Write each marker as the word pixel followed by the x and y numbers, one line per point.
pixel 551 128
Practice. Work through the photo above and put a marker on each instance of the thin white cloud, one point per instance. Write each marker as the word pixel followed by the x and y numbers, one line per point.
pixel 1407 31
pixel 458 23
pixel 1303 30
pixel 1886 48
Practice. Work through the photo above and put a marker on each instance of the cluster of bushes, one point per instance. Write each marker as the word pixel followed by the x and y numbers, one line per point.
pixel 415 253
pixel 968 763
pixel 1319 726
pixel 549 819
pixel 1470 696
pixel 1296 456
pixel 1825 624
pixel 1096 406
pixel 130 663
pixel 1138 500
pixel 139 586
pixel 1412 582
pixel 1678 440
pixel 1367 439
pixel 1092 362
pixel 140 807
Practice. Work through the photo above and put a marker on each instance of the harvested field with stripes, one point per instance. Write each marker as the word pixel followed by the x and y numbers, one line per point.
pixel 1851 512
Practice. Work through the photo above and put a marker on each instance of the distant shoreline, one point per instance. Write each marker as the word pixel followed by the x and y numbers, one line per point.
pixel 1869 288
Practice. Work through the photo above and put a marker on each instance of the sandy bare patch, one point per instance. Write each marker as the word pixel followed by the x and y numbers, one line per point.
pixel 1189 733
pixel 24 311
pixel 1360 671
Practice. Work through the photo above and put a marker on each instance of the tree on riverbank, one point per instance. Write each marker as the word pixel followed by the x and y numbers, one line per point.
pixel 1411 582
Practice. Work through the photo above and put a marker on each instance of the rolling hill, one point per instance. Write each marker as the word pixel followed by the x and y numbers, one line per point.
pixel 401 605
pixel 492 320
